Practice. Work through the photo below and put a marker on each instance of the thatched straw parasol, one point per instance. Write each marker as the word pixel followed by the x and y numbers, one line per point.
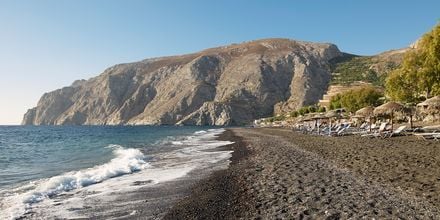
pixel 319 116
pixel 389 108
pixel 365 112
pixel 332 114
pixel 316 117
pixel 340 110
pixel 434 101
pixel 432 104
pixel 299 118
pixel 308 117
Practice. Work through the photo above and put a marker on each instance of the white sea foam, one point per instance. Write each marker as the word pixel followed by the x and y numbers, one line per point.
pixel 126 161
pixel 104 183
pixel 200 132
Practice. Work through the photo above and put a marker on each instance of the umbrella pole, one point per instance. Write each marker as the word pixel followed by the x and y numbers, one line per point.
pixel 370 123
pixel 317 124
pixel 330 128
pixel 392 122
pixel 410 121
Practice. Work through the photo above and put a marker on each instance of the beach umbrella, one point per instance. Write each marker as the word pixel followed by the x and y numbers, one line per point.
pixel 299 118
pixel 316 117
pixel 304 118
pixel 307 117
pixel 388 109
pixel 434 101
pixel 365 112
pixel 431 104
pixel 339 110
pixel 332 114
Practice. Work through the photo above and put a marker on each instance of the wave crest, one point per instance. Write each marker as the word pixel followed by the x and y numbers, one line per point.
pixel 126 161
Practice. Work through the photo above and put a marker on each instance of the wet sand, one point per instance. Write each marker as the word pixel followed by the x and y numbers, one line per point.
pixel 277 173
pixel 220 196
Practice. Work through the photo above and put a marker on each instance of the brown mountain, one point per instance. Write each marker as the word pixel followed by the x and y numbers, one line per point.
pixel 230 85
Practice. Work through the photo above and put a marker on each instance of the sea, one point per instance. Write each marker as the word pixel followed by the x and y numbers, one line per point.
pixel 107 172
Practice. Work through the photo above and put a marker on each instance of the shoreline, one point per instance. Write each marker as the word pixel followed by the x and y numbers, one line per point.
pixel 277 173
pixel 218 196
pixel 174 166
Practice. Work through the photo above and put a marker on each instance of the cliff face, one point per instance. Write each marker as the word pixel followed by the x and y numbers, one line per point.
pixel 229 85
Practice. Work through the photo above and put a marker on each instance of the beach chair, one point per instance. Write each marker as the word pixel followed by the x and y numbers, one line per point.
pixel 431 128
pixel 428 135
pixel 340 130
pixel 325 130
pixel 373 126
pixel 396 132
pixel 343 131
pixel 363 126
pixel 378 132
pixel 364 129
pixel 436 137
pixel 367 129
pixel 334 129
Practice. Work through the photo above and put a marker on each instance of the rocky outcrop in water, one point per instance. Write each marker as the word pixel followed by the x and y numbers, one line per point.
pixel 229 85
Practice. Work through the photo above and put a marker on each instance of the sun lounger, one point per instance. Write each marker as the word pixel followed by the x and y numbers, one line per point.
pixel 343 130
pixel 396 132
pixel 335 129
pixel 431 128
pixel 363 126
pixel 428 135
pixel 378 133
pixel 363 129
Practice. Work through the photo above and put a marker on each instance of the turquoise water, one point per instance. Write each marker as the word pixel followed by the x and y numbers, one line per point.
pixel 34 152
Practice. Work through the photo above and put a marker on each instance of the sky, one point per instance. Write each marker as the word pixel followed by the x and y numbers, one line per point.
pixel 47 44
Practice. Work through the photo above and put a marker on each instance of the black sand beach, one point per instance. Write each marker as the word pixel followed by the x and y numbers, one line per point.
pixel 222 195
pixel 277 173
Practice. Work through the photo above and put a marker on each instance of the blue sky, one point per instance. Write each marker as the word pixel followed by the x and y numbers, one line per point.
pixel 45 45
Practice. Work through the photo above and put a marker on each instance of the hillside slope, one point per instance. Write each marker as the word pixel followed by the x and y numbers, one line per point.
pixel 229 85
pixel 350 68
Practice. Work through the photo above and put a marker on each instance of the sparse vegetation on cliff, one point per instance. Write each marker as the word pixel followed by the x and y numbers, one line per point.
pixel 373 69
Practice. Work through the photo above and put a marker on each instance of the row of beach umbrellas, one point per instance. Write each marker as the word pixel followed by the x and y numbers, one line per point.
pixel 387 109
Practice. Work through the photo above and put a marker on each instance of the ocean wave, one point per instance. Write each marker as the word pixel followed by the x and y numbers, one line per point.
pixel 200 132
pixel 195 137
pixel 126 161
pixel 195 151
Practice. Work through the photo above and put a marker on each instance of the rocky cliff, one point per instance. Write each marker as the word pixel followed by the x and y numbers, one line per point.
pixel 229 85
